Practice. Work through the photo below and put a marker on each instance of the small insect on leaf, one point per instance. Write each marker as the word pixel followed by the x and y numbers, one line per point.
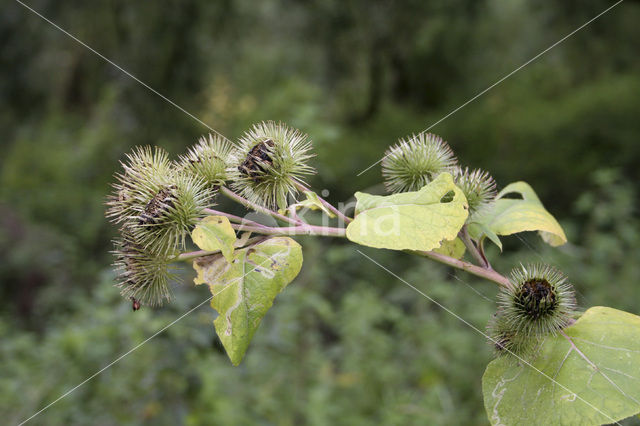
pixel 135 303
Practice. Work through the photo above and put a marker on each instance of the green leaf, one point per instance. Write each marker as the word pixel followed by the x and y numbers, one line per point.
pixel 602 368
pixel 452 248
pixel 215 233
pixel 244 288
pixel 511 216
pixel 410 220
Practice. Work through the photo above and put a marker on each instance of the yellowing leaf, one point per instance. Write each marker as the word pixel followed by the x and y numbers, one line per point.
pixel 511 216
pixel 244 288
pixel 215 233
pixel 596 374
pixel 452 248
pixel 410 220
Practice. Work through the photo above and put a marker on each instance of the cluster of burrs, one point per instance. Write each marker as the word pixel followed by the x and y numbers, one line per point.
pixel 156 202
pixel 538 302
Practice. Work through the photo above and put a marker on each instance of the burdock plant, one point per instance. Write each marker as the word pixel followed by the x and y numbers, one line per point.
pixel 415 161
pixel 479 188
pixel 144 173
pixel 269 164
pixel 539 301
pixel 155 203
pixel 163 223
pixel 155 206
pixel 143 275
pixel 208 160
pixel 438 210
pixel 506 340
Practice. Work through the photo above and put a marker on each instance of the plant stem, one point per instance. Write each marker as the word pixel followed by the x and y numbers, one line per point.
pixel 325 231
pixel 328 205
pixel 234 218
pixel 237 198
pixel 484 256
pixel 471 247
pixel 304 229
pixel 478 271
pixel 291 211
pixel 484 271
pixel 184 257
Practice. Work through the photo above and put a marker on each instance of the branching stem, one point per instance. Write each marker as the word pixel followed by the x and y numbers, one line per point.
pixel 486 273
pixel 484 256
pixel 238 199
pixel 471 247
pixel 483 270
pixel 345 219
pixel 185 257
pixel 304 229
pixel 234 218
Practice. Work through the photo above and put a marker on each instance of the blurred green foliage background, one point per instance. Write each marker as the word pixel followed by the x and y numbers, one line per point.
pixel 346 343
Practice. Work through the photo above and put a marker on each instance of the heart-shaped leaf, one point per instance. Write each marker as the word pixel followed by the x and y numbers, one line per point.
pixel 596 372
pixel 418 220
pixel 244 288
